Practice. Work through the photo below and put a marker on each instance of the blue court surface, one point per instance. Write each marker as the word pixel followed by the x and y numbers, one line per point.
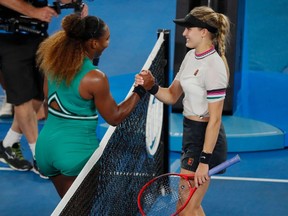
pixel 258 185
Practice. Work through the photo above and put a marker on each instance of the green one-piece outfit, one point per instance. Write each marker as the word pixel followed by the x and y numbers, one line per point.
pixel 68 137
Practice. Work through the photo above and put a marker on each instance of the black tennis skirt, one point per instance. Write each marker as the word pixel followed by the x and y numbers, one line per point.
pixel 193 142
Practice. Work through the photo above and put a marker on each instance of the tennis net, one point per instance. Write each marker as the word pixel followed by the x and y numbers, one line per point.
pixel 129 155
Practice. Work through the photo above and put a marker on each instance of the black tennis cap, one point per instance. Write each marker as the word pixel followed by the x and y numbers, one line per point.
pixel 190 21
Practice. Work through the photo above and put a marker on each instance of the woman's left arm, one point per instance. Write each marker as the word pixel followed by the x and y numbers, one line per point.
pixel 211 135
pixel 212 130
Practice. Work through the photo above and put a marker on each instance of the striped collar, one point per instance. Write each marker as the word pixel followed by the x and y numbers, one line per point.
pixel 206 53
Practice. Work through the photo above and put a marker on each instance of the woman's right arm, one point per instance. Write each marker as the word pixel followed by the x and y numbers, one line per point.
pixel 171 94
pixel 168 95
pixel 95 86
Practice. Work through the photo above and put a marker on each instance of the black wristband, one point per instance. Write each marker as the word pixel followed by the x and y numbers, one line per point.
pixel 140 90
pixel 154 89
pixel 205 157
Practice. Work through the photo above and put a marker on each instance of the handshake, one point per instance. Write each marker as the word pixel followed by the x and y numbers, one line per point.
pixel 145 81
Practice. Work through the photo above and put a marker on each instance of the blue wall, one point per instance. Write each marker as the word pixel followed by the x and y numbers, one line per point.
pixel 262 95
pixel 267 34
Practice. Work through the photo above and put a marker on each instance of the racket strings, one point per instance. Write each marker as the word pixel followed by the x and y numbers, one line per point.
pixel 181 188
pixel 166 194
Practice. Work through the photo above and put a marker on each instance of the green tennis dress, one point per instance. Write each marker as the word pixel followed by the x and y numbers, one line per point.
pixel 68 137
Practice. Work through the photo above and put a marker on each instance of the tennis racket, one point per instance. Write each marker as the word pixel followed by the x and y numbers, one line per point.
pixel 168 194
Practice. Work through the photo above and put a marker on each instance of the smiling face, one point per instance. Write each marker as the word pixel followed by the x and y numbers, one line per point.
pixel 103 42
pixel 197 38
pixel 193 37
pixel 95 46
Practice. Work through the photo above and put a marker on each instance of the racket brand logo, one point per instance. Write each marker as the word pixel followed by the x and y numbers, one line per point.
pixel 153 125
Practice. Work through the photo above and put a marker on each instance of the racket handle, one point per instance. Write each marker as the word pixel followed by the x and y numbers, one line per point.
pixel 224 165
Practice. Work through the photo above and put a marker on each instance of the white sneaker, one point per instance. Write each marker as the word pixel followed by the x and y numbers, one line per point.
pixel 6 110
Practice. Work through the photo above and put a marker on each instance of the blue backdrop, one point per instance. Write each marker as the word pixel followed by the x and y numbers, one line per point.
pixel 263 80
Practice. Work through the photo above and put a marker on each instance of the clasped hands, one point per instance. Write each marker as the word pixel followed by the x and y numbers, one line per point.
pixel 145 79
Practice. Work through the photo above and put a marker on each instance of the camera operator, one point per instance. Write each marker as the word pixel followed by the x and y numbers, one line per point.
pixel 23 81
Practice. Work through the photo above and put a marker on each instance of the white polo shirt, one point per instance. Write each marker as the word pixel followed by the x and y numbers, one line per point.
pixel 203 78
